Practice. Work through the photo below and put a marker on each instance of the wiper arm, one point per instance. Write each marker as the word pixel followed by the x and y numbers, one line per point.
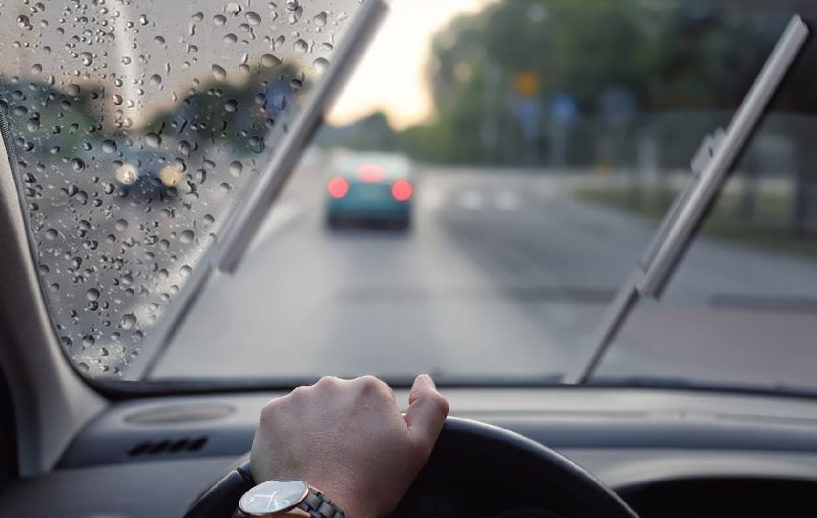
pixel 710 167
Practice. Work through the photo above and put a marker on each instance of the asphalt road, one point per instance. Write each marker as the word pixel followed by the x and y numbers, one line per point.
pixel 503 274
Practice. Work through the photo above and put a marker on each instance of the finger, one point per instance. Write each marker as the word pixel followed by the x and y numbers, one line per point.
pixel 426 412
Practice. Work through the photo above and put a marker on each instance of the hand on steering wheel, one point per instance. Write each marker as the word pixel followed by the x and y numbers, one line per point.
pixel 348 439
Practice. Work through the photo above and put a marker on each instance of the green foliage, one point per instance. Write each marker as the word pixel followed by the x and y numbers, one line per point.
pixel 671 56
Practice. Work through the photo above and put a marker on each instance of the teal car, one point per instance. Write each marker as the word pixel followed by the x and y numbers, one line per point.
pixel 370 188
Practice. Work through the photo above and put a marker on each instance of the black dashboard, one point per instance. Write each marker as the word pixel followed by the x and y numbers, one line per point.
pixel 668 453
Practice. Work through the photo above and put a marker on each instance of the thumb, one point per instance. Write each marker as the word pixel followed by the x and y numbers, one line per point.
pixel 426 412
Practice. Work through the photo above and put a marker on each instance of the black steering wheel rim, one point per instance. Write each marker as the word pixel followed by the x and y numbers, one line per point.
pixel 515 460
pixel 507 456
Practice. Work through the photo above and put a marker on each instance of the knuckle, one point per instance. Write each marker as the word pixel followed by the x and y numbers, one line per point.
pixel 371 385
pixel 328 382
pixel 297 394
pixel 441 403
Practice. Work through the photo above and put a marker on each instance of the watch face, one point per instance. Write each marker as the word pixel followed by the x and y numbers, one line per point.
pixel 273 497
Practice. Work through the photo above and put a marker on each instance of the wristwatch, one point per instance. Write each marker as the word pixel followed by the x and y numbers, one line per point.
pixel 277 497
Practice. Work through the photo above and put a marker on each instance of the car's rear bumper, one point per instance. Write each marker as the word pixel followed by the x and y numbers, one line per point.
pixel 380 211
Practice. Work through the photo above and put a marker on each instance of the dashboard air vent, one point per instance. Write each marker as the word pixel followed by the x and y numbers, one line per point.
pixel 167 447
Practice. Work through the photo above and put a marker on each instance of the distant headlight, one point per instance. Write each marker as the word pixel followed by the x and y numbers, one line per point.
pixel 171 175
pixel 127 174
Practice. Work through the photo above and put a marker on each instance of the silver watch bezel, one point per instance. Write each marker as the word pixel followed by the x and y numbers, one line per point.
pixel 245 510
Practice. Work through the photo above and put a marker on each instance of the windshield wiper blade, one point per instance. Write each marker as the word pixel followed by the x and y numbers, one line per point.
pixel 710 168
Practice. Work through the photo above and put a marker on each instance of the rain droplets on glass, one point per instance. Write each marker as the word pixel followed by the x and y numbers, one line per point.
pixel 135 126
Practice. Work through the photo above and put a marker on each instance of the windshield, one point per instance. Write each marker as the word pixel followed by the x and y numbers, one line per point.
pixel 490 176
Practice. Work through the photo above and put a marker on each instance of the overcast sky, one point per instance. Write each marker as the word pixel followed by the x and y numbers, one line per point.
pixel 392 75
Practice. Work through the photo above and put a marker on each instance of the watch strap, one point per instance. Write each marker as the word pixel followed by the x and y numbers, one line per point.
pixel 318 506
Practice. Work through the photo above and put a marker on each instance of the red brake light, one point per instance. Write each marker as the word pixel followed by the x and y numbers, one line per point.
pixel 338 187
pixel 402 190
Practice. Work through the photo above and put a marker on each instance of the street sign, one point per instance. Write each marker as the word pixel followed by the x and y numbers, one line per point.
pixel 564 109
pixel 527 84
pixel 529 114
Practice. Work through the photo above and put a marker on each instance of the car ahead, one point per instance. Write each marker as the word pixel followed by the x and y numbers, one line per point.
pixel 374 188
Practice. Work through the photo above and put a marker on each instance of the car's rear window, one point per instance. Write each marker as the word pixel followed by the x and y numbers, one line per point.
pixel 372 165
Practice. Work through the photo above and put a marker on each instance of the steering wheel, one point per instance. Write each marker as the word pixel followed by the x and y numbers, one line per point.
pixel 514 465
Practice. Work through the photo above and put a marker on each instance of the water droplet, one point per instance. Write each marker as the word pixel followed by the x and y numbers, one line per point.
pixel 236 168
pixel 301 46
pixel 232 8
pixel 77 164
pixel 231 105
pixel 253 18
pixel 153 139
pixel 158 40
pixel 143 20
pixel 33 124
pixel 219 19
pixel 270 60
pixel 109 146
pixel 185 147
pixel 209 219
pixel 51 234
pixel 187 236
pixel 186 270
pixel 36 68
pixel 230 38
pixel 155 80
pixel 320 19
pixel 219 73
pixel 88 341
pixel 128 321
pixel 87 58
pixel 121 224
pixel 198 17
pixel 320 65
pixel 92 294
pixel 73 90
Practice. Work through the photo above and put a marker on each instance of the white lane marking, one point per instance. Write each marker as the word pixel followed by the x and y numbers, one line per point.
pixel 282 213
pixel 471 200
pixel 431 198
pixel 506 200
